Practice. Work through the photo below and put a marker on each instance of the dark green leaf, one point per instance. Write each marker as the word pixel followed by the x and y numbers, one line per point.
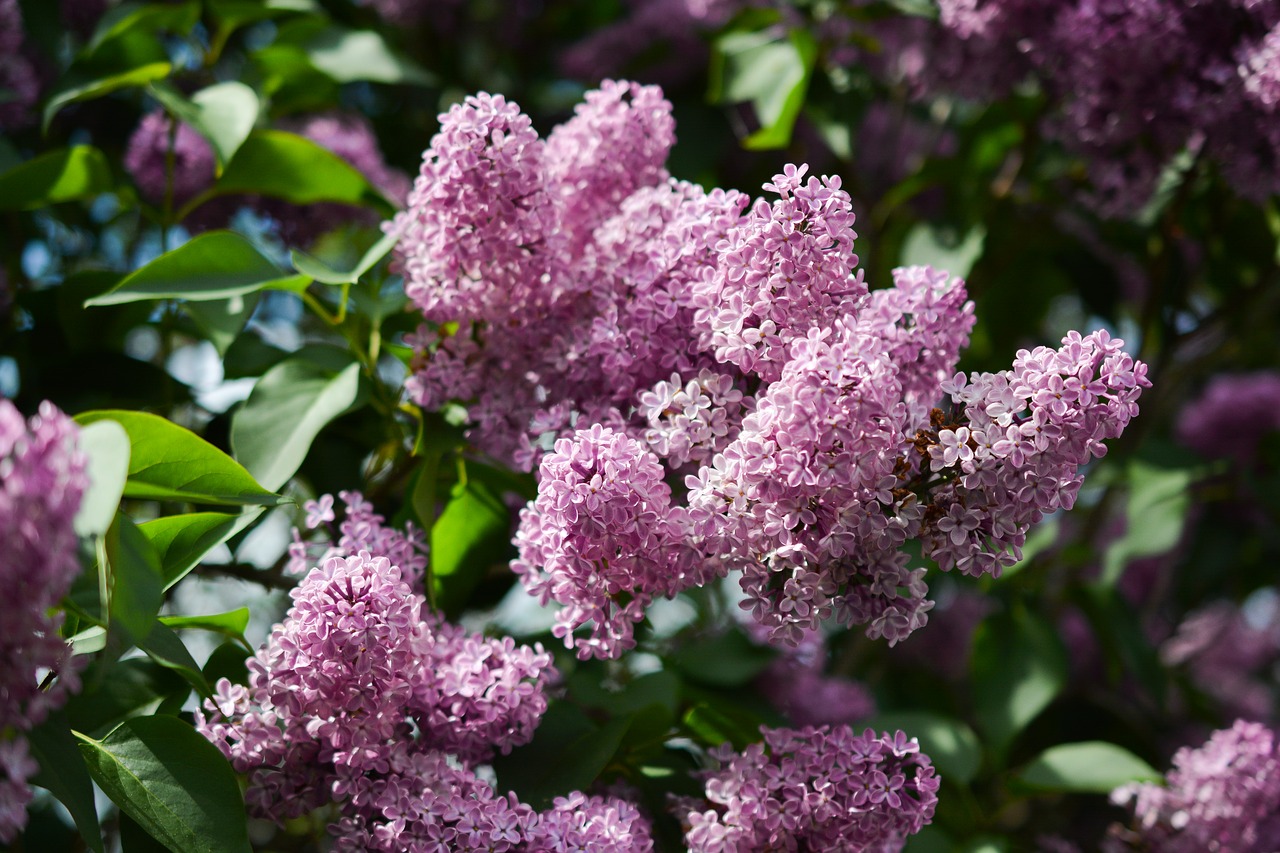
pixel 166 648
pixel 216 265
pixel 223 113
pixel 106 445
pixel 65 174
pixel 173 782
pixel 728 660
pixel 1018 667
pixel 168 462
pixel 350 55
pixel 183 540
pixel 85 86
pixel 284 165
pixel 321 272
pixel 1159 499
pixel 721 723
pixel 952 745
pixel 568 753
pixel 232 623
pixel 771 73
pixel 130 687
pixel 63 774
pixel 468 537
pixel 222 320
pixel 137 590
pixel 143 18
pixel 293 401
pixel 1090 767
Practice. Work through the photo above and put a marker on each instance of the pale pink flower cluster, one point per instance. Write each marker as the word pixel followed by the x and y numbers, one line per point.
pixel 642 327
pixel 363 699
pixel 813 789
pixel 1223 795
pixel 42 482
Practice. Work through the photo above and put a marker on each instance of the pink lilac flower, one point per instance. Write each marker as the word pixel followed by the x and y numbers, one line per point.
pixel 1232 416
pixel 810 697
pixel 148 155
pixel 602 539
pixel 1224 795
pixel 361 529
pixel 359 681
pixel 746 344
pixel 42 481
pixel 813 789
pixel 1229 657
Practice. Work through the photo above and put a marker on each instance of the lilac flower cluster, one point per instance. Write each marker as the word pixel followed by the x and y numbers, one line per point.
pixel 687 334
pixel 19 82
pixel 796 684
pixel 42 481
pixel 362 698
pixel 1224 795
pixel 813 789
pixel 1229 656
pixel 164 160
pixel 1232 416
pixel 361 529
pixel 1133 82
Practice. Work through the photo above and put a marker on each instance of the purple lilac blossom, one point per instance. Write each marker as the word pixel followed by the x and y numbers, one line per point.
pixel 1229 657
pixel 1224 795
pixel 42 481
pixel 19 82
pixel 813 789
pixel 681 332
pixel 147 160
pixel 1130 83
pixel 361 529
pixel 1232 416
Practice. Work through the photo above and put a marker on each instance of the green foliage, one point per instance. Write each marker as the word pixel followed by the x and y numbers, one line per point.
pixel 67 174
pixel 1092 767
pixel 172 781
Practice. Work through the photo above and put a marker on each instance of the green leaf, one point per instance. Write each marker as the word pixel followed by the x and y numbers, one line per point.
pixel 1018 667
pixel 136 587
pixel 568 753
pixel 716 724
pixel 293 401
pixel 350 55
pixel 215 265
pixel 63 773
pixel 232 623
pixel 771 73
pixel 143 18
pixel 284 165
pixel 223 113
pixel 468 537
pixel 66 174
pixel 728 660
pixel 173 782
pixel 106 445
pixel 222 320
pixel 233 14
pixel 952 745
pixel 85 86
pixel 1089 767
pixel 1159 499
pixel 168 462
pixel 131 687
pixel 166 648
pixel 322 272
pixel 183 540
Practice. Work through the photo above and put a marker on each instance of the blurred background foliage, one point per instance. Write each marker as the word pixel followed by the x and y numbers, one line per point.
pixel 1142 619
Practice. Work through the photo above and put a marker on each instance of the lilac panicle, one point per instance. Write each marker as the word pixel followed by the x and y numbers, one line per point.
pixel 361 529
pixel 42 481
pixel 147 159
pixel 820 788
pixel 1232 416
pixel 1224 795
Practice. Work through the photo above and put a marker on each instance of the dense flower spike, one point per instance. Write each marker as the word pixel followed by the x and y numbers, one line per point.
pixel 1224 795
pixel 602 539
pixel 738 339
pixel 813 789
pixel 19 82
pixel 42 481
